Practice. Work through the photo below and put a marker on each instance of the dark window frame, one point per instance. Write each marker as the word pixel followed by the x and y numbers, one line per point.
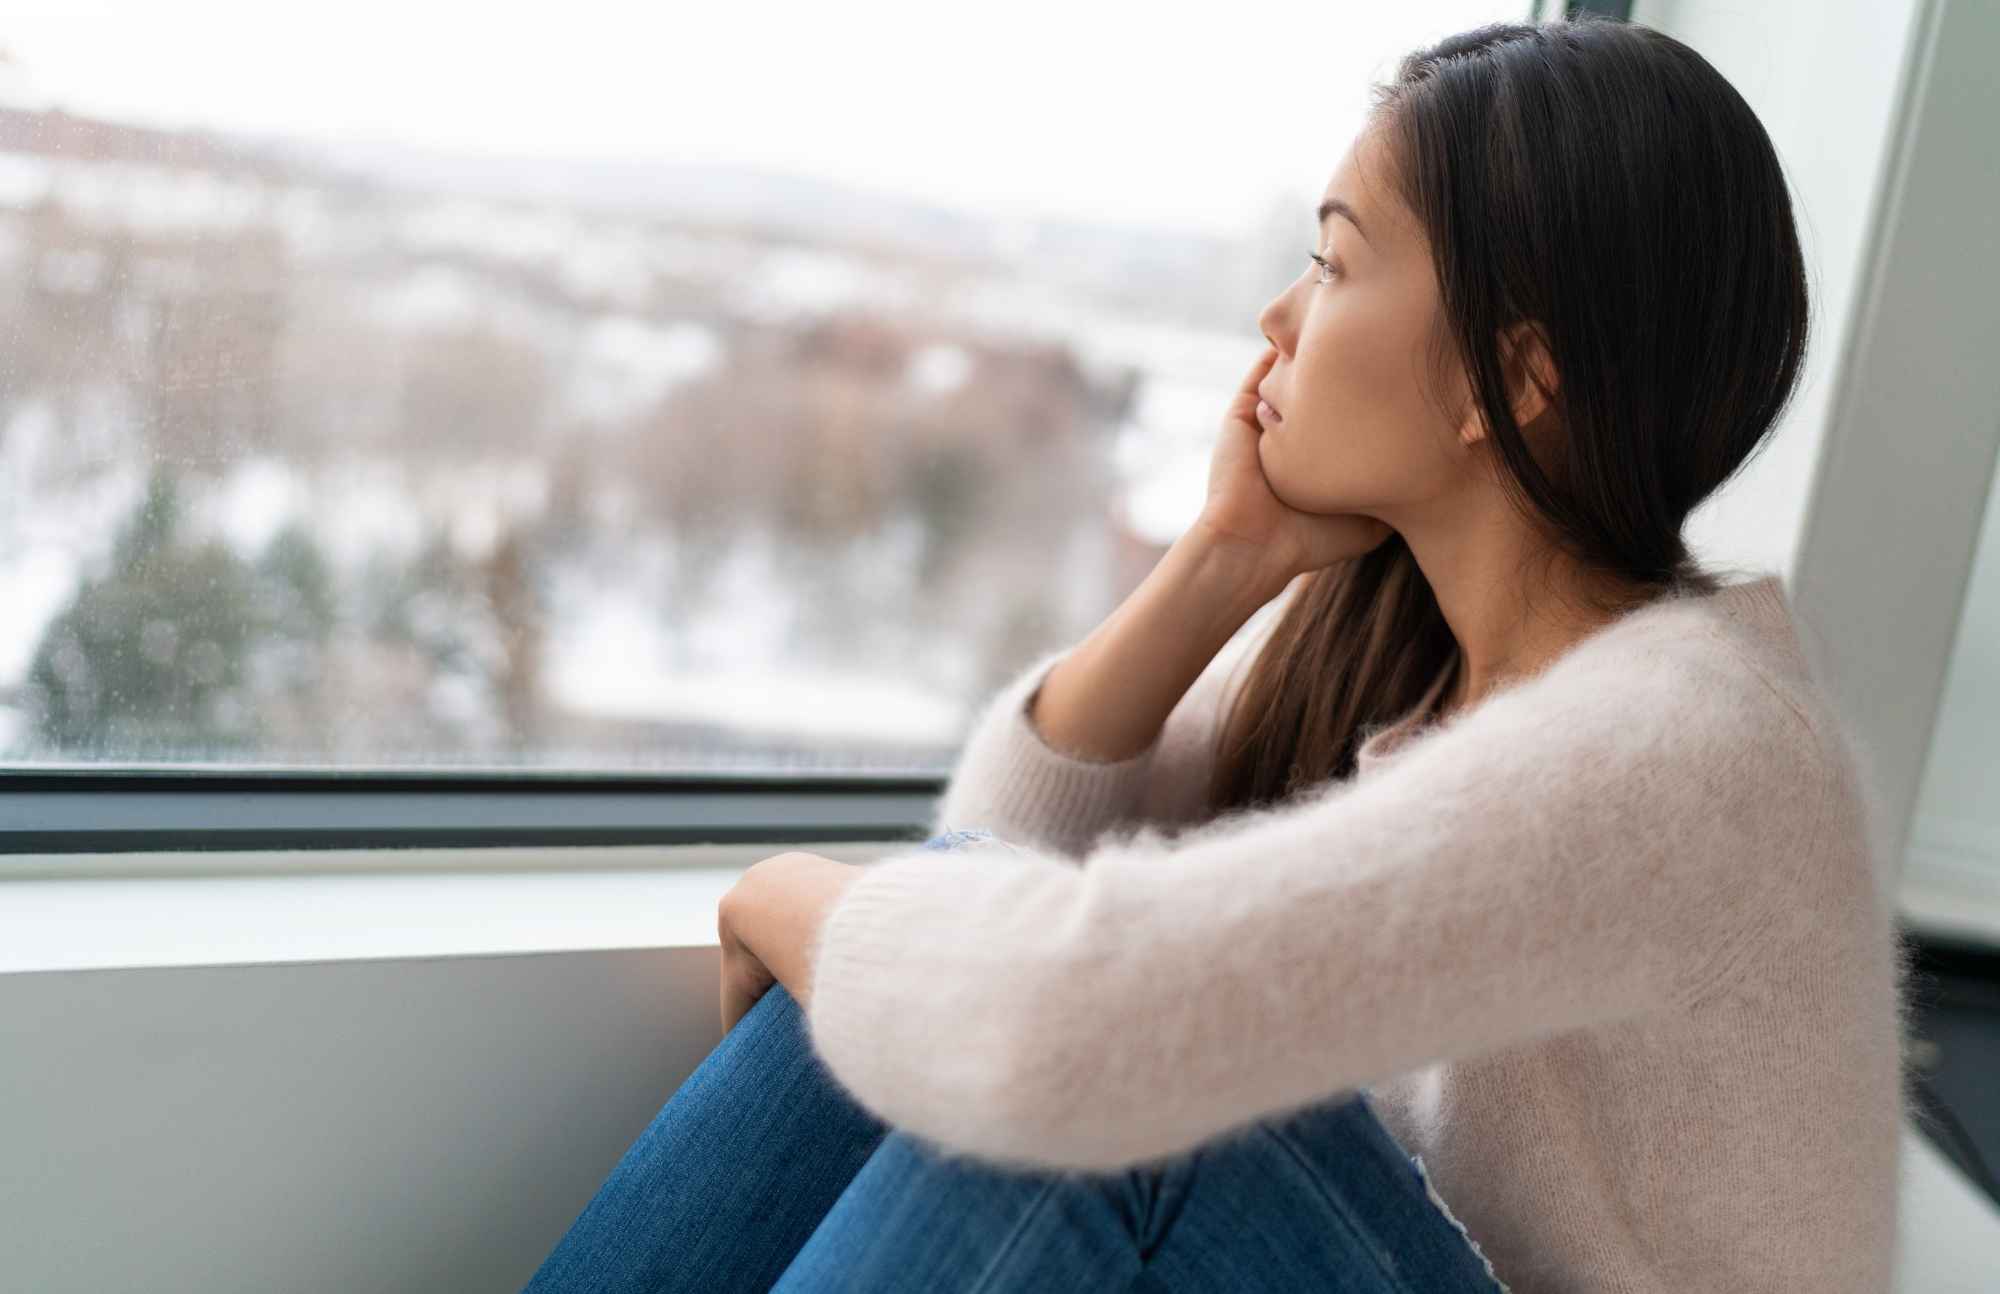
pixel 123 809
pixel 1619 9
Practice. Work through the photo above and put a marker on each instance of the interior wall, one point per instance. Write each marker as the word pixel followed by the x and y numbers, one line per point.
pixel 422 1124
pixel 1823 76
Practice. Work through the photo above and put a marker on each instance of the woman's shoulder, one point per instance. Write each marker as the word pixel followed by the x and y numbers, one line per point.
pixel 1677 689
pixel 1714 692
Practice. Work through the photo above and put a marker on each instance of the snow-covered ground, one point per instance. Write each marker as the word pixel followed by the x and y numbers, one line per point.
pixel 608 652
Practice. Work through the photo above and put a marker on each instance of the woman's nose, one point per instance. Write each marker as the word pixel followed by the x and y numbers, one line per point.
pixel 1270 321
pixel 1265 324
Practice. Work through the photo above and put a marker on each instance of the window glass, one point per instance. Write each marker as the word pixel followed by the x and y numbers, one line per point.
pixel 720 388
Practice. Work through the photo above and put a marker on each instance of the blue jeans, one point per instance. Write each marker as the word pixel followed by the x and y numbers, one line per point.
pixel 761 1173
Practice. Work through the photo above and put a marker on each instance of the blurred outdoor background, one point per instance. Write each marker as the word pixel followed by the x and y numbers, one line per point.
pixel 605 390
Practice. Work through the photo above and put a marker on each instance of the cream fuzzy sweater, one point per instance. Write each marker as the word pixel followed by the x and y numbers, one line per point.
pixel 1607 949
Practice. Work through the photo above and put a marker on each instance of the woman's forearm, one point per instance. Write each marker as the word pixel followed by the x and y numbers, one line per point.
pixel 1109 697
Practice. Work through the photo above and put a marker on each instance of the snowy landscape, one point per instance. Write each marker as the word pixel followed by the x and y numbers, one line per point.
pixel 360 457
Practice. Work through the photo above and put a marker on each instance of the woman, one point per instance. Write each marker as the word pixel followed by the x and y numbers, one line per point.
pixel 1527 866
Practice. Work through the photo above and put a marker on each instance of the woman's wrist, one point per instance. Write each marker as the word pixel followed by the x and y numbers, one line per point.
pixel 777 911
pixel 1107 700
pixel 1229 575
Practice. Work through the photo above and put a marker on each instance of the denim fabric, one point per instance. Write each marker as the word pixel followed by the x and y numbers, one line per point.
pixel 957 837
pixel 971 838
pixel 761 1173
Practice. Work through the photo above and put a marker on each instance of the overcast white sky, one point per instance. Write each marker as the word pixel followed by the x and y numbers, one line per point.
pixel 1118 111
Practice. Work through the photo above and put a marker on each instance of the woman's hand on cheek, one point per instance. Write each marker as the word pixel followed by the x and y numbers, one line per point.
pixel 1242 510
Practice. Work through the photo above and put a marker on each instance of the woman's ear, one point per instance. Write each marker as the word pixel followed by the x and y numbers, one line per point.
pixel 1530 368
pixel 1527 366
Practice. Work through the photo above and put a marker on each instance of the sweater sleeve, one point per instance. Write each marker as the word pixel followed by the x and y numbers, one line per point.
pixel 1010 780
pixel 1576 849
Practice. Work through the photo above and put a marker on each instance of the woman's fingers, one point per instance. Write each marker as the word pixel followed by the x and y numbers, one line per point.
pixel 1257 372
pixel 1243 405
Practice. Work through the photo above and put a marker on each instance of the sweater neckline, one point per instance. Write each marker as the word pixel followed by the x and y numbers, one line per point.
pixel 1759 603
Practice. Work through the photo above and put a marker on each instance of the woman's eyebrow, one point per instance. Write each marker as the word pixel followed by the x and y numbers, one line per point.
pixel 1334 206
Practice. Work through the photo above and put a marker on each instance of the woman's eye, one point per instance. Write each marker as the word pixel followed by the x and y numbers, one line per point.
pixel 1325 269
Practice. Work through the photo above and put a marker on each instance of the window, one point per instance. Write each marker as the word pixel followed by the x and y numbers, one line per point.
pixel 706 392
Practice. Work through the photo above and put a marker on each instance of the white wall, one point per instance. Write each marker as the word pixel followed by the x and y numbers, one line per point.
pixel 1822 75
pixel 422 1124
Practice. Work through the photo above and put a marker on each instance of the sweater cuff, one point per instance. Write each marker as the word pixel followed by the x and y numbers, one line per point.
pixel 851 932
pixel 854 966
pixel 1025 789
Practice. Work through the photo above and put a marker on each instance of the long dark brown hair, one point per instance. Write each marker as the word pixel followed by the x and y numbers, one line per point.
pixel 1602 183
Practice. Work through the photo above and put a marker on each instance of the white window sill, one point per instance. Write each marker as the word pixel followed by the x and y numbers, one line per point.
pixel 100 912
pixel 70 912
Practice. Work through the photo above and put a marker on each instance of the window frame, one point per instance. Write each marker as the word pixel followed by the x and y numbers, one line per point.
pixel 133 809
pixel 1619 9
pixel 1883 564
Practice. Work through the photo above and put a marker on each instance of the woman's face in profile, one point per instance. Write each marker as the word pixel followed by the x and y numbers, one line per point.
pixel 1359 428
